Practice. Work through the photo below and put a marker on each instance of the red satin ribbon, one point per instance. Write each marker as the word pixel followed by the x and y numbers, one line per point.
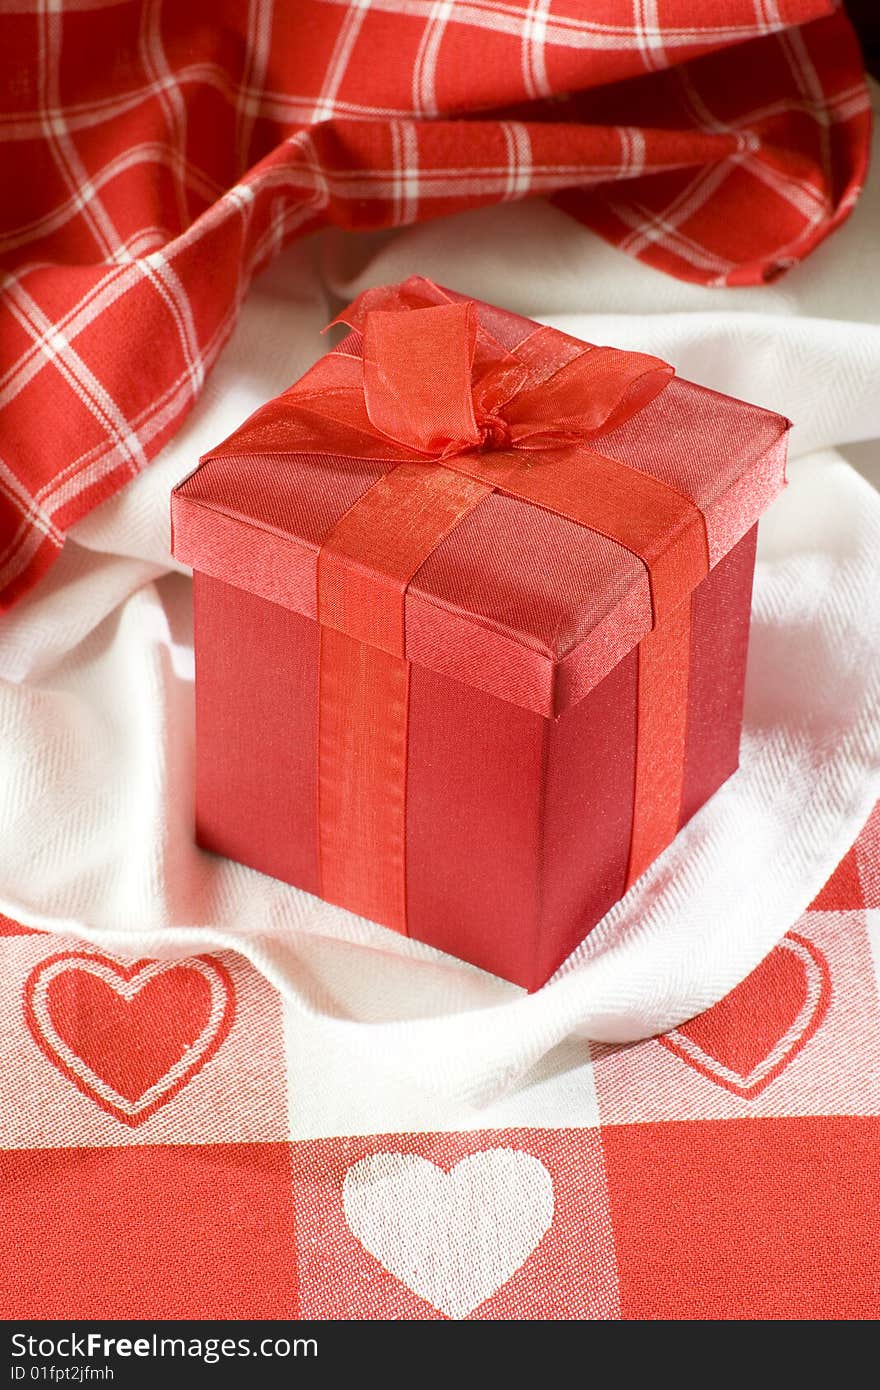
pixel 457 416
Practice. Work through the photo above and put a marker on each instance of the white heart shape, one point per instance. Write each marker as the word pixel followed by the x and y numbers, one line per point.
pixel 452 1238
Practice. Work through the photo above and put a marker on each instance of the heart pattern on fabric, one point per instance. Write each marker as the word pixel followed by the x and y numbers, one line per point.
pixel 129 1037
pixel 453 1238
pixel 749 1038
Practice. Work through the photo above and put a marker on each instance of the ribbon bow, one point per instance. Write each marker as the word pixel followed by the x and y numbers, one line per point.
pixel 429 383
pixel 436 381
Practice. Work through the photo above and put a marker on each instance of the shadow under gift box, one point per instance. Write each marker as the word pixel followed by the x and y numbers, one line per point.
pixel 527 637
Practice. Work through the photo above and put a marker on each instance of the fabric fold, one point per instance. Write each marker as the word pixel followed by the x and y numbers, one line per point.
pixel 721 182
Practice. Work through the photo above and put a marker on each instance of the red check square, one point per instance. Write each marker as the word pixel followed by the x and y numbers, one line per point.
pixel 155 1231
pixel 730 1219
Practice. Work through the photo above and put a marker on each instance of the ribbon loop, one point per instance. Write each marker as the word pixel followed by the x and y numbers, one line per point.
pixel 594 392
pixel 417 376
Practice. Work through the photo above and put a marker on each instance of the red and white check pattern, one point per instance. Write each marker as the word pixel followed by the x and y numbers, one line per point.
pixel 165 1151
pixel 156 156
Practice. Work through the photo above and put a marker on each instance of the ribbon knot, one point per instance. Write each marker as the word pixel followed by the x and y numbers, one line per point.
pixel 494 433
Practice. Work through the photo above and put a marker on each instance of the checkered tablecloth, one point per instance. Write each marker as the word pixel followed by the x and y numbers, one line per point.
pixel 156 156
pixel 161 1157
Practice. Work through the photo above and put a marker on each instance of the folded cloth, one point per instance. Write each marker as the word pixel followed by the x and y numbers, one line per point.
pixel 161 155
pixel 96 696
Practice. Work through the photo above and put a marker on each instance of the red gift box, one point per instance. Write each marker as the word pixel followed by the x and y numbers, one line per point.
pixel 471 614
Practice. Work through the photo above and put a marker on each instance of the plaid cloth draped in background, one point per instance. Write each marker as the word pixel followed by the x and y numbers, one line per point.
pixel 156 156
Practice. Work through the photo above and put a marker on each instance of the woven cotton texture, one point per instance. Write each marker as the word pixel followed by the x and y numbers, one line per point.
pixel 345 1124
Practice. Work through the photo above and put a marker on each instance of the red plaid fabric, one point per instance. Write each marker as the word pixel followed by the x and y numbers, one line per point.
pixel 164 1152
pixel 155 157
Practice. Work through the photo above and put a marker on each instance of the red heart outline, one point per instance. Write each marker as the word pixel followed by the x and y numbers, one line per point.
pixel 78 1071
pixel 810 1017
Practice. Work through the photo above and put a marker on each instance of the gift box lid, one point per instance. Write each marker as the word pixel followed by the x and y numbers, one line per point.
pixel 517 600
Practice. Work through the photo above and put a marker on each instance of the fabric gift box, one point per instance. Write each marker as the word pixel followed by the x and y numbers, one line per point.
pixel 471 614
